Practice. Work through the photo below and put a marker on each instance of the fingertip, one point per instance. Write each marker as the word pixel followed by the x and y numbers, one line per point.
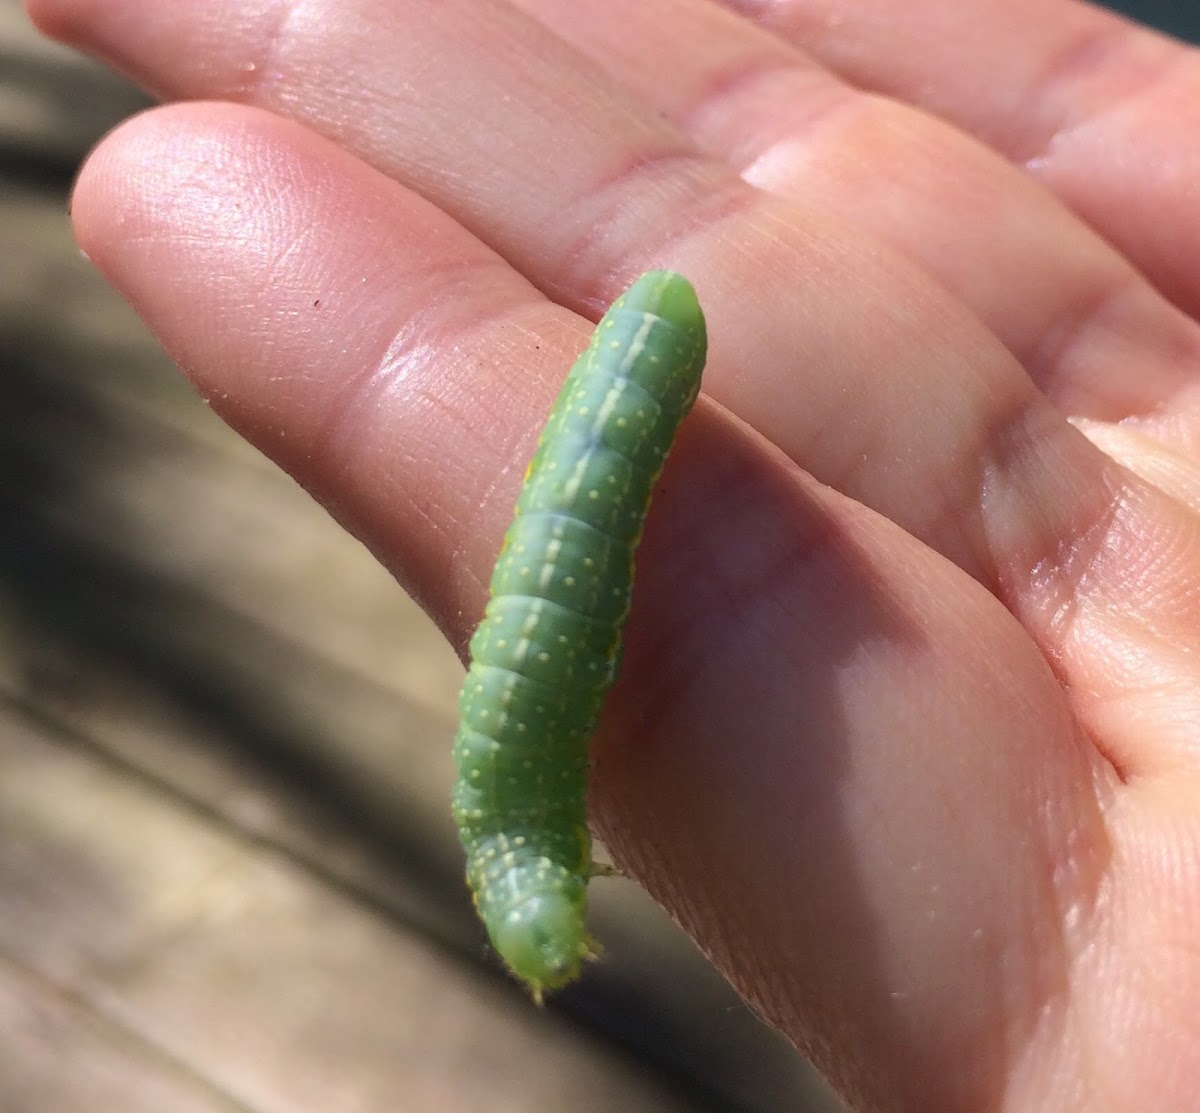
pixel 53 18
pixel 105 190
pixel 189 178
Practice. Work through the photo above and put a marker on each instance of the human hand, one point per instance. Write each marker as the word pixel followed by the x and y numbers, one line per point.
pixel 907 731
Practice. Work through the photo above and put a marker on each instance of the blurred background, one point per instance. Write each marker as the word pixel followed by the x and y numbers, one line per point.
pixel 228 878
pixel 1180 17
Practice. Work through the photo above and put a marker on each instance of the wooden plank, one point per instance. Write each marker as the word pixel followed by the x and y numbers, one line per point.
pixel 58 1055
pixel 243 970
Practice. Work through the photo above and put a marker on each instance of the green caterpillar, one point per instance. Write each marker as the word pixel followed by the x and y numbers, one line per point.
pixel 549 645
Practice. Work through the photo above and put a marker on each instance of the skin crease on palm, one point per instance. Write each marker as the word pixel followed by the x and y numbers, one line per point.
pixel 908 732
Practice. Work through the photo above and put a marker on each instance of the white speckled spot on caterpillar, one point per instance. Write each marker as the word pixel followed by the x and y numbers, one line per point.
pixel 548 647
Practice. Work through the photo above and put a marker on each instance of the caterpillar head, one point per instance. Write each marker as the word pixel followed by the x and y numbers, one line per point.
pixel 543 941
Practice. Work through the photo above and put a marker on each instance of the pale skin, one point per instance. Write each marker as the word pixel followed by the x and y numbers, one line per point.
pixel 908 733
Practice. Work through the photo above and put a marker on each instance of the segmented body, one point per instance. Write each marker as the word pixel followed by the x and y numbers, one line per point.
pixel 548 647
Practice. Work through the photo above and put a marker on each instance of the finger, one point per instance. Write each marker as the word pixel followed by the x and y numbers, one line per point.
pixel 1174 473
pixel 340 322
pixel 423 93
pixel 920 415
pixel 849 776
pixel 385 416
pixel 1101 111
pixel 1123 613
pixel 1068 306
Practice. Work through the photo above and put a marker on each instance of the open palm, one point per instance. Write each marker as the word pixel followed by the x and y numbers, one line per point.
pixel 908 734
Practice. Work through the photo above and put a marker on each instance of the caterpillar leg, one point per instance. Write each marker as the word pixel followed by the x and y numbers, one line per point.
pixel 606 869
pixel 590 951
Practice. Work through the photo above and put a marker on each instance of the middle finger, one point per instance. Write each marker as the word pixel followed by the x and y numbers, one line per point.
pixel 1065 303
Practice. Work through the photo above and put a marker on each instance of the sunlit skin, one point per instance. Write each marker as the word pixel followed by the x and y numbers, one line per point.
pixel 908 729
